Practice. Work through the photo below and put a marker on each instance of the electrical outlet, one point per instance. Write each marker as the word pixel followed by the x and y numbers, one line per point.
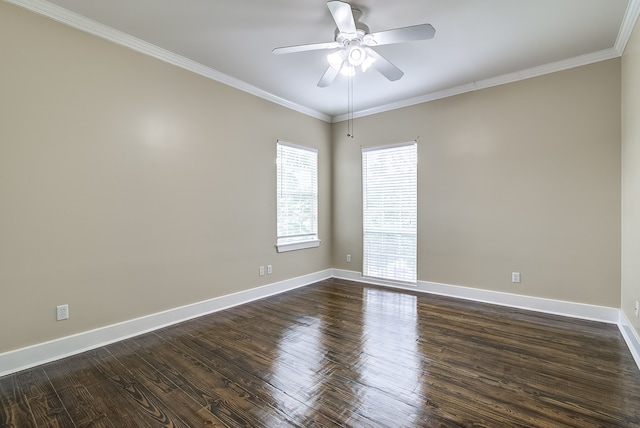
pixel 62 312
pixel 348 258
pixel 637 309
pixel 261 271
pixel 515 276
pixel 269 269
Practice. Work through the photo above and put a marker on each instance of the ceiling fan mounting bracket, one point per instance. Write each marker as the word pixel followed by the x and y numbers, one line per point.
pixel 347 39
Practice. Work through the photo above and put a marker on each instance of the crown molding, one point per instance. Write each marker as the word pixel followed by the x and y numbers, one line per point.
pixel 626 28
pixel 628 22
pixel 541 70
pixel 95 28
pixel 90 26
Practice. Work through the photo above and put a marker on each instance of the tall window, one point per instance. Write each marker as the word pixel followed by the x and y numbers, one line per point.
pixel 297 197
pixel 390 206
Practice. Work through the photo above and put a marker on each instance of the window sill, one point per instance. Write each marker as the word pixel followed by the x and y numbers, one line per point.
pixel 292 246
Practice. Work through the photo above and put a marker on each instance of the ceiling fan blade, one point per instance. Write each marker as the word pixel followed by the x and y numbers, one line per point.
pixel 404 34
pixel 328 77
pixel 384 67
pixel 304 48
pixel 343 16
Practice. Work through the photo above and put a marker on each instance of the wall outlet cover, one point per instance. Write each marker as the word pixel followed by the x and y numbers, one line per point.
pixel 62 312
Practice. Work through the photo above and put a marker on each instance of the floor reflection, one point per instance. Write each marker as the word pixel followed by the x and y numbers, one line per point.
pixel 313 362
pixel 299 365
pixel 356 364
pixel 390 362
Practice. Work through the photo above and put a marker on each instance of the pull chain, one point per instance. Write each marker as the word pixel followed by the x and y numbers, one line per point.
pixel 350 107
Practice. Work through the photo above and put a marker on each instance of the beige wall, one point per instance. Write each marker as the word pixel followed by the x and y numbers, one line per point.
pixel 521 177
pixel 129 186
pixel 631 177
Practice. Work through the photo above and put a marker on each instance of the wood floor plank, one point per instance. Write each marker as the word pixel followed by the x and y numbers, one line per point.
pixel 14 408
pixel 185 407
pixel 202 349
pixel 294 409
pixel 225 398
pixel 44 403
pixel 72 379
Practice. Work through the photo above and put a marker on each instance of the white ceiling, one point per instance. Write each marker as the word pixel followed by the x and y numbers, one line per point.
pixel 477 43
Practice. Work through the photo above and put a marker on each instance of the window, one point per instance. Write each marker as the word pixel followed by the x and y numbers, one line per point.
pixel 297 197
pixel 389 207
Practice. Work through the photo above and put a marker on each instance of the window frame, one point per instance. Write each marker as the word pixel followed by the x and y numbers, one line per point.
pixel 285 243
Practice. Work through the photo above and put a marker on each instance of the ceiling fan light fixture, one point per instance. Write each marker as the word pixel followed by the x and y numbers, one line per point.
pixel 367 63
pixel 369 40
pixel 336 59
pixel 347 69
pixel 356 56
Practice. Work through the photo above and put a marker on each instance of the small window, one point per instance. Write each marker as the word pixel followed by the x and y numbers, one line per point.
pixel 297 197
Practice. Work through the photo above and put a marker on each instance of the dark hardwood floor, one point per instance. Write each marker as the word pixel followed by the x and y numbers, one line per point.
pixel 339 353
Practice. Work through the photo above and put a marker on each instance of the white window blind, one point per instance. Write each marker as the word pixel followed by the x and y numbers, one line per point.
pixel 390 205
pixel 297 197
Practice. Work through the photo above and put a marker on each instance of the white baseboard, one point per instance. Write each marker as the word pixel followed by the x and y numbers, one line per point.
pixel 630 336
pixel 21 359
pixel 550 306
pixel 24 358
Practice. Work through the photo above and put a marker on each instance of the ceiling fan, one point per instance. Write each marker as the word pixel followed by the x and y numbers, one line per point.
pixel 354 45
